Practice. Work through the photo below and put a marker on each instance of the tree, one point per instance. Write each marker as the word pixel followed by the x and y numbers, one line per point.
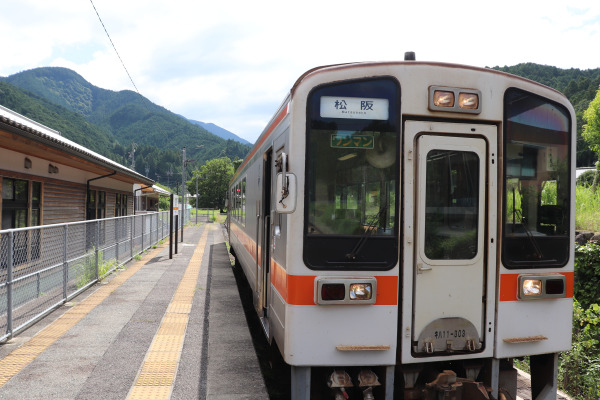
pixel 214 177
pixel 591 130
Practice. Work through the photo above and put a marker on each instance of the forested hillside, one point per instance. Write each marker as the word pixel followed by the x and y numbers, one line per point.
pixel 109 122
pixel 72 125
pixel 580 87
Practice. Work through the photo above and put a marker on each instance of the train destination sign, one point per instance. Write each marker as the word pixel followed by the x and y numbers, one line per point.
pixel 354 108
pixel 352 142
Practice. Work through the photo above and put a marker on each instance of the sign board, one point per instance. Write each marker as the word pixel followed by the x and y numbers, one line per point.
pixel 354 108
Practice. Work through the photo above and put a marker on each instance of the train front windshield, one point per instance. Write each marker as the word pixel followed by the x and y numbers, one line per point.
pixel 352 175
pixel 537 182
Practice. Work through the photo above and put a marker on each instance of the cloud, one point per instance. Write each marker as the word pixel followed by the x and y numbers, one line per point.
pixel 232 63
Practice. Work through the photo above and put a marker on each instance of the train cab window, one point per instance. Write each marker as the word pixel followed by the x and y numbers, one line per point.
pixel 536 166
pixel 352 176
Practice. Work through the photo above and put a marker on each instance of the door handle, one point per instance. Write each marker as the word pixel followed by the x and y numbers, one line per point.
pixel 421 268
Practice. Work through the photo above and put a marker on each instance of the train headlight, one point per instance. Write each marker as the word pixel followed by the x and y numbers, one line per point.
pixel 532 287
pixel 469 101
pixel 443 98
pixel 542 286
pixel 345 290
pixel 449 99
pixel 360 291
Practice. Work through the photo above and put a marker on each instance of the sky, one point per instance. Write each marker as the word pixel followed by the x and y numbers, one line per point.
pixel 232 62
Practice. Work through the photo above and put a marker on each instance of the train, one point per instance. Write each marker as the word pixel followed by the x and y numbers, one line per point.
pixel 407 231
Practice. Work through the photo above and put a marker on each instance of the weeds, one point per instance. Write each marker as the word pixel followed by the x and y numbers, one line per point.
pixel 86 271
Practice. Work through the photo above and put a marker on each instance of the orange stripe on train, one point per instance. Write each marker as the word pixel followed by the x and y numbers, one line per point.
pixel 299 290
pixel 509 285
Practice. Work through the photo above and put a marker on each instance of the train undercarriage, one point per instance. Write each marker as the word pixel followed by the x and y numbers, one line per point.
pixel 488 379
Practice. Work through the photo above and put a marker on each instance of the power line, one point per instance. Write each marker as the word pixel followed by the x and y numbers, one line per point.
pixel 115 48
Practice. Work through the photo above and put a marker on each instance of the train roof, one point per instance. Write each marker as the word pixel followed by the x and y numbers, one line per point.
pixel 337 67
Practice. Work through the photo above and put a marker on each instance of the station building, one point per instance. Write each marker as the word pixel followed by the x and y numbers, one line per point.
pixel 48 179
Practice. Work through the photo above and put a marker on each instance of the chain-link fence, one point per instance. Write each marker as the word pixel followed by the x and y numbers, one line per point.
pixel 44 266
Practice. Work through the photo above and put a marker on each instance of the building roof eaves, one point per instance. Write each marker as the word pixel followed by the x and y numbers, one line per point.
pixel 40 133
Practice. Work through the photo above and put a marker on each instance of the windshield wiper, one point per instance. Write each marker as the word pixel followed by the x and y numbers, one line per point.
pixel 538 253
pixel 365 236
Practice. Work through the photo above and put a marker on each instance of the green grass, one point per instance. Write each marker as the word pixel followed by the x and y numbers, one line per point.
pixel 587 209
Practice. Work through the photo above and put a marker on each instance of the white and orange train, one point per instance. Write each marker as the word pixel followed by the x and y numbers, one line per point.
pixel 407 231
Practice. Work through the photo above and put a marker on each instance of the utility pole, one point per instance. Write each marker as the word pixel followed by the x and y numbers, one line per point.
pixel 169 174
pixel 184 205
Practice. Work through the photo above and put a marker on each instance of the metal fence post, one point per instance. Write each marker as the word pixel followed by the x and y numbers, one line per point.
pixel 143 220
pixel 97 249
pixel 117 238
pixel 131 236
pixel 65 262
pixel 9 285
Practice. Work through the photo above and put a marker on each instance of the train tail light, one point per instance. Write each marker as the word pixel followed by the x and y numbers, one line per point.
pixel 333 291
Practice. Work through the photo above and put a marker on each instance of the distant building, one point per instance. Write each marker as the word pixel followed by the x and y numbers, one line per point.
pixel 147 198
pixel 48 179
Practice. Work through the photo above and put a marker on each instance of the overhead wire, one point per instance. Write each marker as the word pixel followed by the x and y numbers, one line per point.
pixel 144 100
pixel 115 48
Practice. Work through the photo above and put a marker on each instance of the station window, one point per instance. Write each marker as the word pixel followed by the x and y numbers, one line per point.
pixel 96 204
pixel 21 200
pixel 120 205
pixel 21 205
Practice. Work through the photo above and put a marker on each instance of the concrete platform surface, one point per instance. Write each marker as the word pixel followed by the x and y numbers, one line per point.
pixel 158 329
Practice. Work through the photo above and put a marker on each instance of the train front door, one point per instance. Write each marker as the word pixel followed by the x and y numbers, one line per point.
pixel 450 260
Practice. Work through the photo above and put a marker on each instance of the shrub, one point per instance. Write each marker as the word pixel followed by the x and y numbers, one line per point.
pixel 587 274
pixel 587 178
pixel 579 368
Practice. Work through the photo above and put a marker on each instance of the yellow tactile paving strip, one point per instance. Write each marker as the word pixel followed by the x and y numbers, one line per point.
pixel 158 371
pixel 13 363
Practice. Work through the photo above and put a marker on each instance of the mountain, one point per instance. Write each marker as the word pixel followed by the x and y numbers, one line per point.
pixel 64 98
pixel 70 124
pixel 220 132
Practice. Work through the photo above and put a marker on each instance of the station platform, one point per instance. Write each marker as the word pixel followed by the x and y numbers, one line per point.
pixel 159 328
